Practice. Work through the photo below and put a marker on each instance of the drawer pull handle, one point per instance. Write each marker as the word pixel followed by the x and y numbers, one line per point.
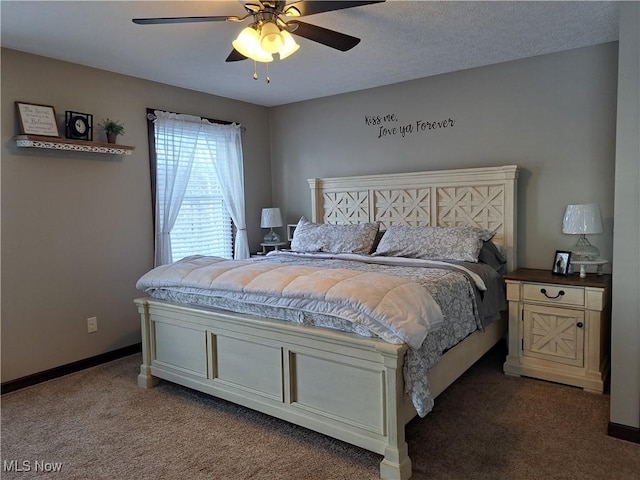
pixel 579 324
pixel 544 292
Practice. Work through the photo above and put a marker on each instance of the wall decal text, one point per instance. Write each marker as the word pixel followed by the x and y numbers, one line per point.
pixel 388 125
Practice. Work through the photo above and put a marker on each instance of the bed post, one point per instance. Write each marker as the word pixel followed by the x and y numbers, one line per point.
pixel 317 207
pixel 511 215
pixel 145 379
pixel 396 464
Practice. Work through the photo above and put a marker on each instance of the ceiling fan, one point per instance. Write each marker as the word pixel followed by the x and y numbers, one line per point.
pixel 273 22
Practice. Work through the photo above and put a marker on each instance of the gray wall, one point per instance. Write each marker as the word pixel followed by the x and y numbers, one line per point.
pixel 625 335
pixel 553 115
pixel 77 228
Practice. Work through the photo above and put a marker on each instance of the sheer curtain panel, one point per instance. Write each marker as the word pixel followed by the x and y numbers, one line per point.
pixel 225 149
pixel 176 138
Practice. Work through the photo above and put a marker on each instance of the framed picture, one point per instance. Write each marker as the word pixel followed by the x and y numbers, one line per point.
pixel 37 119
pixel 290 229
pixel 561 263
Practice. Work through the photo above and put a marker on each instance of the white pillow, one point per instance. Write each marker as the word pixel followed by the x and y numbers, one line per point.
pixel 461 244
pixel 323 237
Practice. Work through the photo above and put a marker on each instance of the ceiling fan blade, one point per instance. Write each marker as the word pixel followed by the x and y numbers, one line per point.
pixel 163 20
pixel 313 7
pixel 235 56
pixel 330 38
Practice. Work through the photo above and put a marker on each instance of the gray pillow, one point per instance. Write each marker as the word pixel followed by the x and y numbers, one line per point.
pixel 324 237
pixel 491 255
pixel 461 244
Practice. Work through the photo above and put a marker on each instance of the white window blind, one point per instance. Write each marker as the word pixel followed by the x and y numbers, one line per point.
pixel 203 225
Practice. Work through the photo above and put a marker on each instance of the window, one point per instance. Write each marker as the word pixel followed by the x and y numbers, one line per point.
pixel 198 187
pixel 203 223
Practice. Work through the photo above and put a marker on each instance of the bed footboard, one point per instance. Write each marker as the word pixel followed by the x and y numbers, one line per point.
pixel 344 386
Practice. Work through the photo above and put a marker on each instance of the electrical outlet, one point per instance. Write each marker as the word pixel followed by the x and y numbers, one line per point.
pixel 92 324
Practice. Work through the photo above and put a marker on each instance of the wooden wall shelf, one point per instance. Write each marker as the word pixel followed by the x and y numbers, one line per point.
pixel 57 143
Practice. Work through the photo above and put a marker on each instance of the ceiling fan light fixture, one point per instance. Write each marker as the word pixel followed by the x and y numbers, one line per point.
pixel 291 11
pixel 248 44
pixel 290 45
pixel 271 39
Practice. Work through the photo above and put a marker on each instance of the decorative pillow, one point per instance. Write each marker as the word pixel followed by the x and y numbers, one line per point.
pixel 460 244
pixel 323 237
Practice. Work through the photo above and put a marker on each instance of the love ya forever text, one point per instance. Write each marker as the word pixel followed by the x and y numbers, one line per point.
pixel 388 125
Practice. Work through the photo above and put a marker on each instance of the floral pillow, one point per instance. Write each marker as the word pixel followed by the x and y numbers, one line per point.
pixel 323 237
pixel 461 244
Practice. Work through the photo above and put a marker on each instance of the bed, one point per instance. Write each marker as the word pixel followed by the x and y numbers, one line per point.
pixel 343 385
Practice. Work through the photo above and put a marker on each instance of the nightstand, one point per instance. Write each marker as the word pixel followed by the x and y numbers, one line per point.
pixel 559 327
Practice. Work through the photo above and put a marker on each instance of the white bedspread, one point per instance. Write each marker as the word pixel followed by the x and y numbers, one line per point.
pixel 394 308
pixel 395 261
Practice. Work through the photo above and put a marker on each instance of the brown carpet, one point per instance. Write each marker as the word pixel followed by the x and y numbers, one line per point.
pixel 485 426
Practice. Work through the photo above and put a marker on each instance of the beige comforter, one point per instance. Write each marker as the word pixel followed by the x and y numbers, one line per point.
pixel 396 309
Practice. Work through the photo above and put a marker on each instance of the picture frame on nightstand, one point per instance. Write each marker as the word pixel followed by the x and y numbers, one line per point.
pixel 561 262
pixel 291 228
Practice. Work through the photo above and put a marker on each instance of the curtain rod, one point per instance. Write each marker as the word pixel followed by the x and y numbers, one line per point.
pixel 151 117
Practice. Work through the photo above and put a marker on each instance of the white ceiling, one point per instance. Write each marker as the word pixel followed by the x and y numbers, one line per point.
pixel 401 40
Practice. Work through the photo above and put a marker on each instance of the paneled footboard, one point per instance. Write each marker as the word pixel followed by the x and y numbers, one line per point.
pixel 341 385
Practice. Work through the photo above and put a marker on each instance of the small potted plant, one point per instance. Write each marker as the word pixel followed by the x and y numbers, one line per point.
pixel 112 128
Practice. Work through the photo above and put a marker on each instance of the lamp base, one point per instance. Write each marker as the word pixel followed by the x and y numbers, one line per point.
pixel 583 250
pixel 272 237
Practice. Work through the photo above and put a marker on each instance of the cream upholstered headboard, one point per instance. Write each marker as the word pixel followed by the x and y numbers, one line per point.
pixel 481 197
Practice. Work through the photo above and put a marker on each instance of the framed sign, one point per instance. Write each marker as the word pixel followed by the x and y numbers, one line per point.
pixel 37 119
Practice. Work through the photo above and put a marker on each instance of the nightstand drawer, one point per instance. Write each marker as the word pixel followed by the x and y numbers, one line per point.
pixel 555 294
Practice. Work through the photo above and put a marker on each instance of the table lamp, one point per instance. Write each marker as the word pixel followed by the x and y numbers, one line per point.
pixel 583 220
pixel 271 218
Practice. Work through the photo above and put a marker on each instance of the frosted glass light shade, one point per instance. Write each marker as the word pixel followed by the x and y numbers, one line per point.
pixel 260 45
pixel 248 44
pixel 271 39
pixel 290 46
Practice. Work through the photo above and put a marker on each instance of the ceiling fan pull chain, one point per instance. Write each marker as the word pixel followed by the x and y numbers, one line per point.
pixel 268 79
pixel 255 70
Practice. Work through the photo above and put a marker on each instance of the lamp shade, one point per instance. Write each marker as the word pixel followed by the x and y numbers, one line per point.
pixel 582 219
pixel 271 217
